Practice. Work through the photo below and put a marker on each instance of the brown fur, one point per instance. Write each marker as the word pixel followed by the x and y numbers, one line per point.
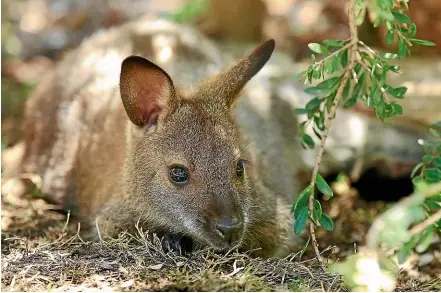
pixel 108 153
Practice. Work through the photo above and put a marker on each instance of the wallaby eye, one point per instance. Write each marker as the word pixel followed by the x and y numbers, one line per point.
pixel 178 174
pixel 239 168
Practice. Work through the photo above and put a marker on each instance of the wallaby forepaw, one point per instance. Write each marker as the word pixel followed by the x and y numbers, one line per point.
pixel 179 244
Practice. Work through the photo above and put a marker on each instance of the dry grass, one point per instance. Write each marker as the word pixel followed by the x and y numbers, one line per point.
pixel 38 254
pixel 41 252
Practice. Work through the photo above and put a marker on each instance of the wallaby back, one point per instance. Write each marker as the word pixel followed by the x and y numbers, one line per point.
pixel 119 140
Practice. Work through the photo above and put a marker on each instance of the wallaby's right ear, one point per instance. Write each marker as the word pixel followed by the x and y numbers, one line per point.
pixel 145 90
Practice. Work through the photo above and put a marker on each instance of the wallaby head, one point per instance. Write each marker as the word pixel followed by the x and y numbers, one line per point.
pixel 186 171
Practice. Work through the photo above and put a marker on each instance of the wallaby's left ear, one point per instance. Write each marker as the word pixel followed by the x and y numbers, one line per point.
pixel 229 83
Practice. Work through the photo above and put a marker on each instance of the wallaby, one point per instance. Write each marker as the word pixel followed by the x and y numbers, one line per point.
pixel 213 164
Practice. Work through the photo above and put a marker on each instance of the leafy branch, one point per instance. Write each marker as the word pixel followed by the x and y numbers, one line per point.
pixel 352 73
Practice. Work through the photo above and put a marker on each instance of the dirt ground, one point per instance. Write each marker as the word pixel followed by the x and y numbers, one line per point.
pixel 41 251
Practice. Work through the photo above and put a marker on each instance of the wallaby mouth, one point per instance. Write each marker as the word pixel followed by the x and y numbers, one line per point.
pixel 226 232
pixel 221 234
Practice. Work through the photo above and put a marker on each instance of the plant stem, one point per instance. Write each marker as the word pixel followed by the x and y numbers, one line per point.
pixel 353 46
pixel 400 34
pixel 348 45
pixel 429 221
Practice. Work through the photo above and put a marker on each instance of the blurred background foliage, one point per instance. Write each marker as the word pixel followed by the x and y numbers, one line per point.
pixel 35 33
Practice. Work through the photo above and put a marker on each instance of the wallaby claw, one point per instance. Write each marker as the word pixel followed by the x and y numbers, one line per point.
pixel 179 244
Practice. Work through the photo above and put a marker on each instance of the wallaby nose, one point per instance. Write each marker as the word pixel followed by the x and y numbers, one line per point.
pixel 228 228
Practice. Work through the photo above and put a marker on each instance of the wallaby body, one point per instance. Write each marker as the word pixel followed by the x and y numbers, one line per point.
pixel 120 144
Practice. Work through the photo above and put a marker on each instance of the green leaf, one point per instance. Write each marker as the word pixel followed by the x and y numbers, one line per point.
pixel 396 108
pixel 394 68
pixel 329 101
pixel 300 111
pixel 432 175
pixel 379 109
pixel 415 169
pixel 326 223
pixel 333 43
pixel 320 121
pixel 316 47
pixel 385 14
pixel 403 254
pixel 378 22
pixel 344 58
pixel 412 30
pixel 390 37
pixel 308 140
pixel 401 17
pixel 316 133
pixel 362 14
pixel 300 222
pixel 436 125
pixel 425 240
pixel 189 11
pixel 328 67
pixel 435 133
pixel 328 83
pixel 437 162
pixel 312 90
pixel 388 111
pixel 436 197
pixel 375 94
pixel 302 201
pixel 350 102
pixel 382 79
pixel 416 180
pixel 334 63
pixel 313 104
pixel 389 25
pixel 398 92
pixel 317 212
pixel 432 204
pixel 427 159
pixel 310 72
pixel 388 55
pixel 323 186
pixel 422 42
pixel 316 74
pixel 402 49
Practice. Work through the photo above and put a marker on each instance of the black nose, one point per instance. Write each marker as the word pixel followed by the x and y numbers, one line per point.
pixel 228 228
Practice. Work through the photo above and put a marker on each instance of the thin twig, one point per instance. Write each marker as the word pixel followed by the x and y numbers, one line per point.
pixel 98 229
pixel 369 49
pixel 423 225
pixel 400 34
pixel 67 222
pixel 347 46
pixel 353 45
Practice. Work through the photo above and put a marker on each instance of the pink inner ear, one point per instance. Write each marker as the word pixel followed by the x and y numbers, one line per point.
pixel 148 97
pixel 148 109
pixel 145 90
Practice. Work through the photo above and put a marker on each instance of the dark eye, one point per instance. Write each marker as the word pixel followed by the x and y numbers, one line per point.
pixel 239 168
pixel 178 174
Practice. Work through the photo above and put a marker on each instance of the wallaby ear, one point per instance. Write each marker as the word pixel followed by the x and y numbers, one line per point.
pixel 228 84
pixel 145 90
